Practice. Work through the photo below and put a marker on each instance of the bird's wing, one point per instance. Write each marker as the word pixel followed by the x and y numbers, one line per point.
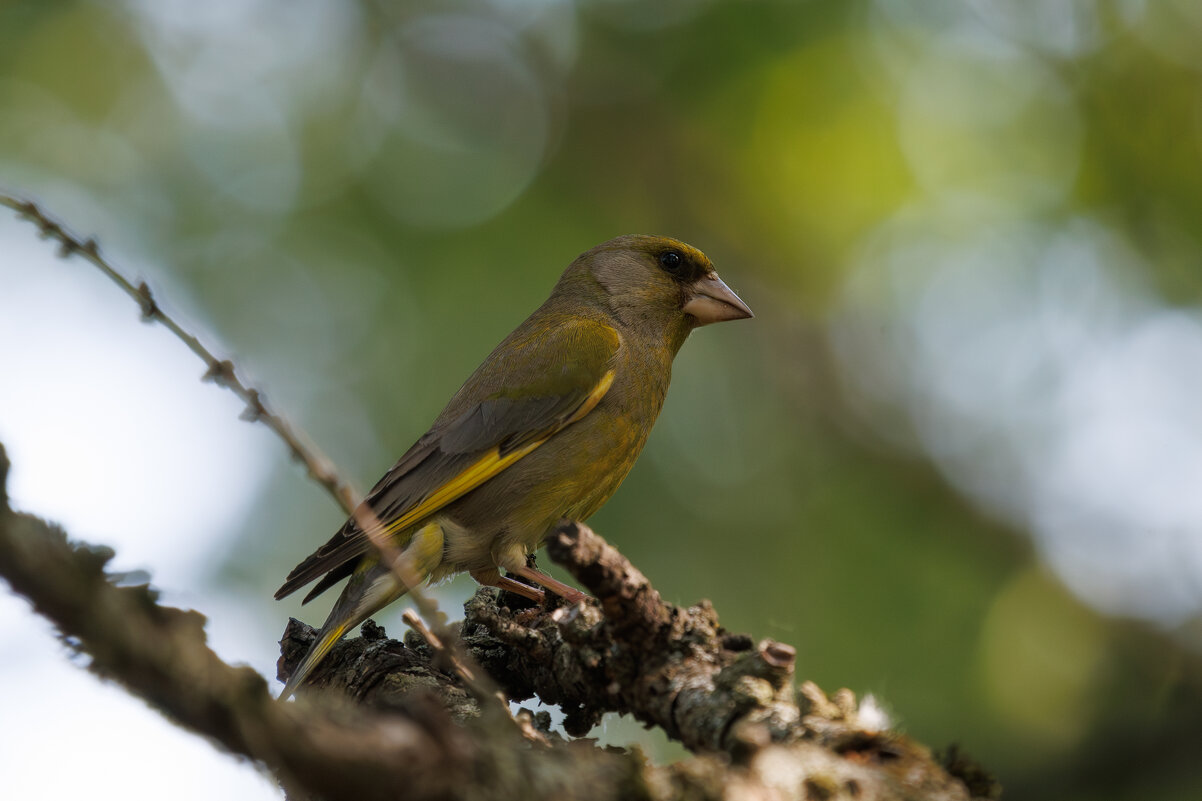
pixel 540 380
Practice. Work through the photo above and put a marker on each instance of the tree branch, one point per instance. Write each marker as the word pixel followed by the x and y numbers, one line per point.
pixel 399 741
pixel 628 651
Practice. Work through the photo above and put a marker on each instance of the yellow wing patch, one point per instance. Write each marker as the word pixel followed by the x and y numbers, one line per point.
pixel 490 464
pixel 590 402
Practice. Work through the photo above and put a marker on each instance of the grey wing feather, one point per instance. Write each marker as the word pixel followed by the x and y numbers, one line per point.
pixel 436 458
pixel 497 421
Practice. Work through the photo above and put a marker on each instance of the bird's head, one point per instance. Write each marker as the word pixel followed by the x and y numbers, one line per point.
pixel 655 285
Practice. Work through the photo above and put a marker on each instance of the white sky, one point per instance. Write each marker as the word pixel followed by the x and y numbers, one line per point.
pixel 111 434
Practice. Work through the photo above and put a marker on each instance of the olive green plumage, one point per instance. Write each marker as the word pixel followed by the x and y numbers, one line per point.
pixel 546 428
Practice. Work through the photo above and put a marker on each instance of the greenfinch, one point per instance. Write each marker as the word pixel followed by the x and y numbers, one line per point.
pixel 545 429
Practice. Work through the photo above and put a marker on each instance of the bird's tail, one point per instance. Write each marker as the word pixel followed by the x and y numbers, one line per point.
pixel 371 587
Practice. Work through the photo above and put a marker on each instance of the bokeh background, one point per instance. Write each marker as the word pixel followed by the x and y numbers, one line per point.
pixel 956 459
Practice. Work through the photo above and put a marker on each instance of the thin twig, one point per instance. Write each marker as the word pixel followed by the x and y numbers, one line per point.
pixel 219 371
pixel 222 373
pixel 475 679
pixel 393 557
pixel 437 634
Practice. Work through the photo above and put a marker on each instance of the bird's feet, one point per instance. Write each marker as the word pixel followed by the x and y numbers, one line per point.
pixel 569 594
pixel 493 578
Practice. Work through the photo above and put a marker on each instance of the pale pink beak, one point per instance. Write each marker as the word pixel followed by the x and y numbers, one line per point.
pixel 712 301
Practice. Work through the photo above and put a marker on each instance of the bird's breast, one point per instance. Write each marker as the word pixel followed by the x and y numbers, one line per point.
pixel 571 475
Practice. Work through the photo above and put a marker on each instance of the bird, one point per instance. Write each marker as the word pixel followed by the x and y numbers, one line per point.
pixel 545 429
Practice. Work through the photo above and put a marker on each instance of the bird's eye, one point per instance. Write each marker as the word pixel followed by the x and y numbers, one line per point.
pixel 671 261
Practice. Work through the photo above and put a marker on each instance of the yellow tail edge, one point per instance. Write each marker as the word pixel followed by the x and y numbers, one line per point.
pixel 317 652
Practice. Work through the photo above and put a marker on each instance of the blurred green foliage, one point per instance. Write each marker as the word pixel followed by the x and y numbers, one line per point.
pixel 358 200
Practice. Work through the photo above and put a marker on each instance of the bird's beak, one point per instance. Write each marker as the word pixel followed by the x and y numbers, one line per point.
pixel 712 301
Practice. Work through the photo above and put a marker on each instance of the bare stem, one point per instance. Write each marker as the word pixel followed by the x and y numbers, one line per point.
pixel 476 680
pixel 223 373
pixel 438 635
pixel 219 371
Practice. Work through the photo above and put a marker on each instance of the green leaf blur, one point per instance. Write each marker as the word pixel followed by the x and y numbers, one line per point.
pixel 937 210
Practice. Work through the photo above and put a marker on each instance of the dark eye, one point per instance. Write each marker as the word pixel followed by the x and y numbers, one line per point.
pixel 671 261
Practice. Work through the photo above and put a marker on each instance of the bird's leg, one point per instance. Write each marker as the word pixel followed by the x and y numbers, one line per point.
pixel 518 588
pixel 569 594
pixel 493 578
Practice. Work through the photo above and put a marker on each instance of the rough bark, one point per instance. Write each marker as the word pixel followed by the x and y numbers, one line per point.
pixel 394 721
